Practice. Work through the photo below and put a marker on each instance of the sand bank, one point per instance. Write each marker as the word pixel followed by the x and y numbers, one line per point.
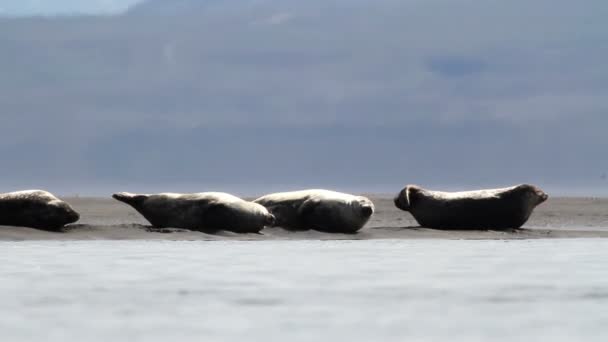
pixel 106 219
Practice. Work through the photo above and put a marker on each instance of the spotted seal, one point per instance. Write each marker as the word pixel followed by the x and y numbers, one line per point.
pixel 205 211
pixel 481 209
pixel 35 209
pixel 322 210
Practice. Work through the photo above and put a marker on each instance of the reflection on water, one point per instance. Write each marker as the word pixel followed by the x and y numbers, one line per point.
pixel 381 290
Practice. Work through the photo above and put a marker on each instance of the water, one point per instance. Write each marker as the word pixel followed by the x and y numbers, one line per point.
pixel 378 290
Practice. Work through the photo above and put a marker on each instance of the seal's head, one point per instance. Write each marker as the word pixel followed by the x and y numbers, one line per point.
pixel 362 207
pixel 534 194
pixel 270 220
pixel 262 215
pixel 58 213
pixel 405 197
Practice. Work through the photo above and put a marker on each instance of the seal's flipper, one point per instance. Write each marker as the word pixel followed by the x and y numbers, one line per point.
pixel 129 198
pixel 308 207
pixel 309 214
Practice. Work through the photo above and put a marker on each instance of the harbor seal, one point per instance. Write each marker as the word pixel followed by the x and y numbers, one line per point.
pixel 205 211
pixel 322 210
pixel 482 209
pixel 35 209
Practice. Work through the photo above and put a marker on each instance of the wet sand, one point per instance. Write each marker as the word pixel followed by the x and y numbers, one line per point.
pixel 107 219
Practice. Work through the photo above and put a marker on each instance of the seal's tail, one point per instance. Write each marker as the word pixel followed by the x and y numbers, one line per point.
pixel 129 198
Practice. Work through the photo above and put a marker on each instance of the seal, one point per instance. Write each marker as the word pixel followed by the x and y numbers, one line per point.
pixel 35 209
pixel 322 210
pixel 205 211
pixel 481 209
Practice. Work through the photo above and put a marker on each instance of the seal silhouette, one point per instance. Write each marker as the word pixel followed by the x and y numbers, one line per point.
pixel 481 209
pixel 35 209
pixel 205 211
pixel 322 210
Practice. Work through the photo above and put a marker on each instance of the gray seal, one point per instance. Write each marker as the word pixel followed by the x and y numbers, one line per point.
pixel 35 209
pixel 322 210
pixel 205 211
pixel 481 209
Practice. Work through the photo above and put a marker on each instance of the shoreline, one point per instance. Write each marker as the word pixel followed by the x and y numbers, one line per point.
pixel 139 232
pixel 108 219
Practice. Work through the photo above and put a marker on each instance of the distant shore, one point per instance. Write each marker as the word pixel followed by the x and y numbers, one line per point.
pixel 107 219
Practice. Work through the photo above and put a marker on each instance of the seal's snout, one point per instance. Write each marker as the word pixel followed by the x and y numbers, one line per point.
pixel 66 213
pixel 401 201
pixel 270 220
pixel 73 216
pixel 367 211
pixel 541 195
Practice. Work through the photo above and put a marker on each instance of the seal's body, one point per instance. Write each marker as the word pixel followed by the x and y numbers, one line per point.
pixel 35 209
pixel 323 210
pixel 482 209
pixel 206 211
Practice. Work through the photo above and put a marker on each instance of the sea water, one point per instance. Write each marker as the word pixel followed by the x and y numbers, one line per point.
pixel 374 290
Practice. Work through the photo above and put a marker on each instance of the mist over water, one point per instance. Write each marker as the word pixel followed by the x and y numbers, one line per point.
pixel 388 290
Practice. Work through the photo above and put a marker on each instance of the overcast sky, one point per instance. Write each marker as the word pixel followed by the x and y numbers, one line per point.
pixel 63 7
pixel 263 95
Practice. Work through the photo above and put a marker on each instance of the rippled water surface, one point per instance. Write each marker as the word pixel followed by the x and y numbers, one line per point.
pixel 376 290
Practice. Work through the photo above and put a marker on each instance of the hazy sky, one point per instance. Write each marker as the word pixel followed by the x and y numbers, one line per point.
pixel 257 95
pixel 58 7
